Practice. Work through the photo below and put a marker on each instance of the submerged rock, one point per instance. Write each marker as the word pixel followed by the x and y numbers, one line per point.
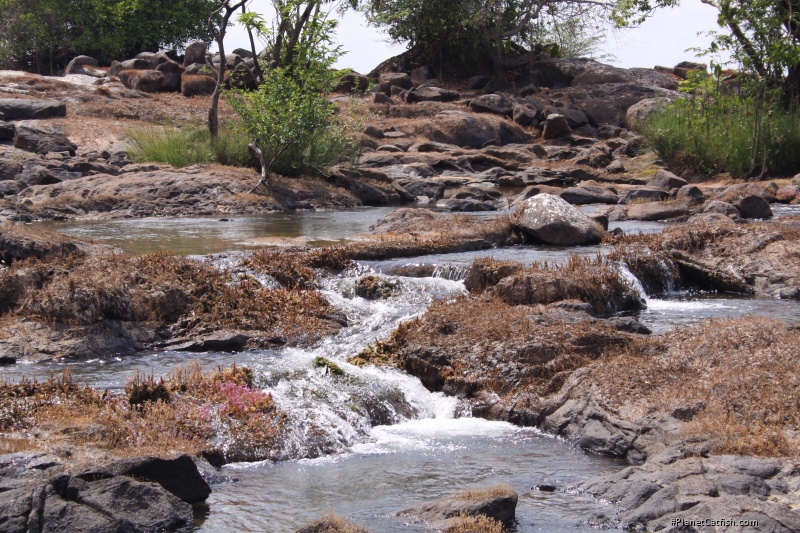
pixel 498 503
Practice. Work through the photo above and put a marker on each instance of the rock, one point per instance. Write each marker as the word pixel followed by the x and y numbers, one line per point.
pixel 555 126
pixel 172 73
pixel 7 130
pixel 724 208
pixel 524 115
pixel 471 130
pixel 648 194
pixel 42 142
pixel 499 503
pixel 243 53
pixel 76 65
pixel 148 81
pixel 752 206
pixel 551 220
pixel 331 524
pixel 594 157
pixel 352 82
pixel 657 210
pixel 400 220
pixel 368 193
pixel 787 194
pixel 195 53
pixel 528 90
pixel 381 98
pixel 27 109
pixel 476 83
pixel 691 192
pixel 37 175
pixel 666 181
pixel 179 476
pixel 197 85
pixel 11 187
pixel 639 112
pixel 387 80
pixel 589 195
pixel 796 181
pixel 242 78
pixel 376 288
pixel 575 117
pixel 416 187
pixel 9 169
pixel 492 103
pixel 709 218
pixel 470 205
pixel 497 85
pixel 130 64
pixel 431 94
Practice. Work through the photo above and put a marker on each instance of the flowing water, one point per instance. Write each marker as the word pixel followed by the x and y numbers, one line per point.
pixel 375 439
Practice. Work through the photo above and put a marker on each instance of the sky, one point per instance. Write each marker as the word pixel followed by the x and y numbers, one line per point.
pixel 661 40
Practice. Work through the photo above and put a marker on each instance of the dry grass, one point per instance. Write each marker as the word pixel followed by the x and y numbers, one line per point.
pixel 331 523
pixel 159 288
pixel 191 411
pixel 465 523
pixel 740 377
pixel 501 490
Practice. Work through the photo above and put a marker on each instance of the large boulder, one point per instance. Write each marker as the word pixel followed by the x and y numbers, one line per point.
pixel 658 210
pixel 551 220
pixel 589 195
pixel 470 130
pixel 148 81
pixel 666 181
pixel 387 80
pixel 555 126
pixel 179 476
pixel 197 85
pixel 431 94
pixel 172 73
pixel 76 65
pixel 492 103
pixel 644 194
pixel 195 53
pixel 42 141
pixel 28 109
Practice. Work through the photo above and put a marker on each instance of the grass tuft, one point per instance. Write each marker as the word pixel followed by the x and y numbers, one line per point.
pixel 183 147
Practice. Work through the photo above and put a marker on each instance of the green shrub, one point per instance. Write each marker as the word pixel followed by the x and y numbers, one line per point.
pixel 182 147
pixel 727 133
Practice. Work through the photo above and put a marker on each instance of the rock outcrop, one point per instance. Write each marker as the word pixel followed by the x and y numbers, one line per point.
pixel 549 219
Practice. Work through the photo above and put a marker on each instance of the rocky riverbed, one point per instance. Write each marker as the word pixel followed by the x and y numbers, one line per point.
pixel 704 415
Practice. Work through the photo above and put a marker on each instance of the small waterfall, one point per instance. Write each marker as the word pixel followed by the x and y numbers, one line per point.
pixel 331 411
pixel 632 280
pixel 450 271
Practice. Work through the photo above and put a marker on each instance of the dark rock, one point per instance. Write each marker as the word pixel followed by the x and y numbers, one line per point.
pixel 691 192
pixel 27 109
pixel 197 85
pixel 666 181
pixel 431 94
pixel 497 85
pixel 172 73
pixel 470 205
pixel 525 116
pixel 368 193
pixel 179 476
pixel 492 103
pixel 352 82
pixel 594 157
pixel 555 126
pixel 387 80
pixel 476 83
pixel 42 142
pixel 470 130
pixel 499 504
pixel 12 187
pixel 195 53
pixel 657 210
pixel 76 65
pixel 753 206
pixel 648 194
pixel 589 195
pixel 716 206
pixel 551 220
pixel 9 169
pixel 149 81
pixel 244 53
pixel 432 189
pixel 528 90
pixel 381 98
pixel 37 175
pixel 7 130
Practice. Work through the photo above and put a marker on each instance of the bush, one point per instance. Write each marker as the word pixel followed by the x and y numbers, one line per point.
pixel 735 134
pixel 182 147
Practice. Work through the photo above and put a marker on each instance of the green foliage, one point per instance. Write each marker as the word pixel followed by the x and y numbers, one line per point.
pixel 466 37
pixel 288 116
pixel 710 133
pixel 43 35
pixel 189 146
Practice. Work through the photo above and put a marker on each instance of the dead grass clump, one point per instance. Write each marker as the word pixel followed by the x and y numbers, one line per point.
pixel 735 380
pixel 18 242
pixel 295 268
pixel 331 523
pixel 486 272
pixel 190 411
pixel 501 490
pixel 166 289
pixel 464 523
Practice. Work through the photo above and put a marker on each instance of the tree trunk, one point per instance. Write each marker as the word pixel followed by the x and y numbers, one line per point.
pixel 258 72
pixel 213 112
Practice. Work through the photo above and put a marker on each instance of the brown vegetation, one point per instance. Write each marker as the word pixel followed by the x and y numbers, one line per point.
pixel 331 523
pixel 465 523
pixel 218 413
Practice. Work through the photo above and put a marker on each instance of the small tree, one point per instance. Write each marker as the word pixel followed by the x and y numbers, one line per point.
pixel 218 26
